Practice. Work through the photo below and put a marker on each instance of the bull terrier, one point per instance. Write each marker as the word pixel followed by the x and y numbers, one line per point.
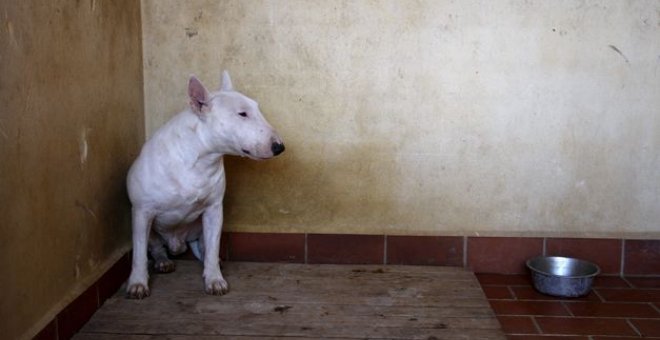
pixel 177 183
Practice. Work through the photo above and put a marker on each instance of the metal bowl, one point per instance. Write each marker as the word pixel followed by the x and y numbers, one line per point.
pixel 562 276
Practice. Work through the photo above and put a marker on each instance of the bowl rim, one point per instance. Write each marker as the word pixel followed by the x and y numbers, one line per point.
pixel 536 270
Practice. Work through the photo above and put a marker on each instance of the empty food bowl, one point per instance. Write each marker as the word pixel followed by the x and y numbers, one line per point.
pixel 562 276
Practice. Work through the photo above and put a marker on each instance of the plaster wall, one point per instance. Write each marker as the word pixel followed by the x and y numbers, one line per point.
pixel 71 122
pixel 429 117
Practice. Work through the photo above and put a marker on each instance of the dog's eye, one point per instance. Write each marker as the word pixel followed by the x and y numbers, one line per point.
pixel 242 114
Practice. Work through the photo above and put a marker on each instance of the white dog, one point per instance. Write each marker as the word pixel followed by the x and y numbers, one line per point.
pixel 177 183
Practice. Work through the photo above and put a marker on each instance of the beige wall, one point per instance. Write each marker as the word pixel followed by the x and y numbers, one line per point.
pixel 70 124
pixel 430 117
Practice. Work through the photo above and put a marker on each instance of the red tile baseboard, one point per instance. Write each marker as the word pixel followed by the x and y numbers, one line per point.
pixel 425 250
pixel 605 252
pixel 489 256
pixel 502 255
pixel 642 257
pixel 345 249
pixel 267 247
pixel 80 310
pixel 76 314
pixel 49 332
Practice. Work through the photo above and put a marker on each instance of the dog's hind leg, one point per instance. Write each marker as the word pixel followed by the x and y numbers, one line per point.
pixel 162 263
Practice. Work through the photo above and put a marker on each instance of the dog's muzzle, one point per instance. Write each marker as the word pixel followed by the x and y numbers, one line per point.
pixel 277 148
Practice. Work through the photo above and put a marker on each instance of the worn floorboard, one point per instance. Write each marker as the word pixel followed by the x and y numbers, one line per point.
pixel 275 301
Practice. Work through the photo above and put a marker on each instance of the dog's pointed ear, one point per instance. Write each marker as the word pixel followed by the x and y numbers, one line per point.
pixel 199 97
pixel 225 84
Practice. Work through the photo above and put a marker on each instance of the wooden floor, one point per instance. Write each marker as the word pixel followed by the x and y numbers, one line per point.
pixel 304 302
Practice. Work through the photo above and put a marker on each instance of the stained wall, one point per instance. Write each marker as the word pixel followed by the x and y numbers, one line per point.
pixel 71 122
pixel 429 117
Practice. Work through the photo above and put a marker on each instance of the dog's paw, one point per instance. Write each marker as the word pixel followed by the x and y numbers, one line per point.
pixel 137 291
pixel 217 287
pixel 165 266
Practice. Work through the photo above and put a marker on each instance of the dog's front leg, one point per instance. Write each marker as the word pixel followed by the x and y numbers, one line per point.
pixel 138 282
pixel 214 283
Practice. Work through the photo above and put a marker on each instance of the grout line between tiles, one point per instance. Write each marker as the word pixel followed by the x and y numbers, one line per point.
pixel 536 325
pixel 545 246
pixel 306 249
pixel 598 295
pixel 563 304
pixel 633 327
pixel 384 249
pixel 643 276
pixel 465 251
pixel 630 284
pixel 623 257
pixel 513 293
pixel 653 305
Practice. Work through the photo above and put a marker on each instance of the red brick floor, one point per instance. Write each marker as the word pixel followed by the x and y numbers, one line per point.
pixel 616 309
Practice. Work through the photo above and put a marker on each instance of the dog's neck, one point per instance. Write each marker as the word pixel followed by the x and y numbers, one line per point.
pixel 200 149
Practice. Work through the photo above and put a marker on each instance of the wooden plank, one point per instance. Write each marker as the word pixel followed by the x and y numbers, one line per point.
pixel 118 308
pixel 432 286
pixel 190 269
pixel 102 336
pixel 242 269
pixel 362 283
pixel 331 328
pixel 304 301
pixel 399 288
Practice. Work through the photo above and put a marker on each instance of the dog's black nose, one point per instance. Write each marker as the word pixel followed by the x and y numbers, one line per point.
pixel 277 148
